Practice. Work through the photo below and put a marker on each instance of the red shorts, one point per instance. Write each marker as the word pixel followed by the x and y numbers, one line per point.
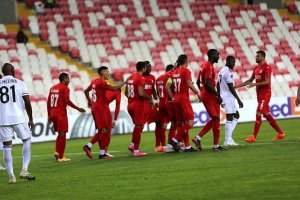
pixel 150 113
pixel 102 117
pixel 184 111
pixel 171 111
pixel 211 105
pixel 136 112
pixel 60 122
pixel 263 104
pixel 163 116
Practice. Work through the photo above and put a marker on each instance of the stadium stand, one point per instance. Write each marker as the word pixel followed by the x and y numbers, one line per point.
pixel 119 33
pixel 39 70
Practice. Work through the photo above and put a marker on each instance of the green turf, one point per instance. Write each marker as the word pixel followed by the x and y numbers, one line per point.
pixel 264 170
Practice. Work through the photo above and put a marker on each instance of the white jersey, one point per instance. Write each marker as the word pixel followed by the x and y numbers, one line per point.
pixel 12 105
pixel 224 77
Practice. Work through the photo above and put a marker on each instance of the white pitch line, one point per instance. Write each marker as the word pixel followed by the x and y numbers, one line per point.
pixel 82 153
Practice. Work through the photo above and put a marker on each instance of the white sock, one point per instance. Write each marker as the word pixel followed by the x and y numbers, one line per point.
pixel 26 153
pixel 228 131
pixel 198 137
pixel 135 151
pixel 90 145
pixel 216 145
pixel 102 152
pixel 188 147
pixel 234 123
pixel 8 159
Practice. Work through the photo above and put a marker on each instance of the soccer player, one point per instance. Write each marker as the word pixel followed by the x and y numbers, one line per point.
pixel 136 101
pixel 163 117
pixel 100 108
pixel 182 80
pixel 110 96
pixel 13 98
pixel 227 92
pixel 206 82
pixel 297 101
pixel 1 145
pixel 262 75
pixel 58 99
pixel 151 110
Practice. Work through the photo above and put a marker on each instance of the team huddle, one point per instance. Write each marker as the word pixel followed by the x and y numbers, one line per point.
pixel 161 101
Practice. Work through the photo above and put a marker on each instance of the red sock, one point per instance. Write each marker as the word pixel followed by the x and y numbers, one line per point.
pixel 257 125
pixel 205 129
pixel 57 143
pixel 216 131
pixel 183 130
pixel 157 136
pixel 273 123
pixel 136 137
pixel 186 139
pixel 172 132
pixel 95 138
pixel 163 136
pixel 62 146
pixel 104 140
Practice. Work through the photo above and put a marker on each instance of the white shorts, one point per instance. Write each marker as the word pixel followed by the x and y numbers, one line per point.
pixel 229 107
pixel 7 132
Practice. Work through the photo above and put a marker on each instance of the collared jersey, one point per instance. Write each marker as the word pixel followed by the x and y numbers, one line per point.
pixel 12 106
pixel 260 74
pixel 58 99
pixel 99 87
pixel 225 76
pixel 180 76
pixel 135 81
pixel 207 71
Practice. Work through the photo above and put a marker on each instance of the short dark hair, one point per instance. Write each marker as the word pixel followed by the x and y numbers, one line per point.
pixel 263 53
pixel 101 69
pixel 7 68
pixel 211 52
pixel 169 67
pixel 140 66
pixel 147 62
pixel 229 58
pixel 62 76
pixel 181 59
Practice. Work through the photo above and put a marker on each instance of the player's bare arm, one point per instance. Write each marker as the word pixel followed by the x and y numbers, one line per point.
pixel 28 109
pixel 193 88
pixel 168 89
pixel 87 96
pixel 266 82
pixel 247 82
pixel 232 90
pixel 209 87
pixel 143 94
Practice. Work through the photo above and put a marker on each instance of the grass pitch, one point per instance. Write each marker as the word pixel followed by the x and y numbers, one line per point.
pixel 263 170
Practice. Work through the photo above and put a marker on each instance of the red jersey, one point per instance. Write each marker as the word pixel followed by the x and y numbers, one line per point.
pixel 161 82
pixel 132 86
pixel 207 71
pixel 260 74
pixel 180 77
pixel 58 99
pixel 149 82
pixel 99 87
pixel 114 95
